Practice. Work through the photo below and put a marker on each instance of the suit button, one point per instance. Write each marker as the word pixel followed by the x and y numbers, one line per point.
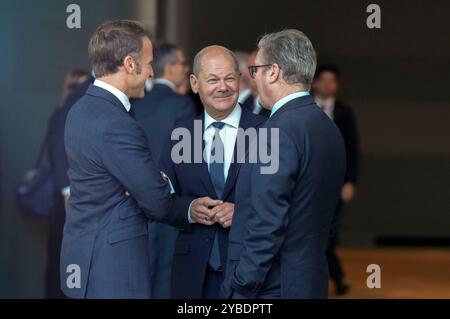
pixel 208 239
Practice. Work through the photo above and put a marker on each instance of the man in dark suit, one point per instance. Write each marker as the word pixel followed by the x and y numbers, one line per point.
pixel 115 186
pixel 283 215
pixel 158 113
pixel 205 188
pixel 325 87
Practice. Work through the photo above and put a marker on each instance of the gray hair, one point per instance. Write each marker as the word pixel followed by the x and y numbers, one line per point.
pixel 197 67
pixel 164 54
pixel 293 52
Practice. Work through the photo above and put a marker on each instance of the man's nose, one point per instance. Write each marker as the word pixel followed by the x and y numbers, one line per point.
pixel 223 85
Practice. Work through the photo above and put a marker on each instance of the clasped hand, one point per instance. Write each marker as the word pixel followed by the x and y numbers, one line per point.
pixel 208 211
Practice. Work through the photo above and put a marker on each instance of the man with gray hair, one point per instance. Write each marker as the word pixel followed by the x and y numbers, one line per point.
pixel 282 220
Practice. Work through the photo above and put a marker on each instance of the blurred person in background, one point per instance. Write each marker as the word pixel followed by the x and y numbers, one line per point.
pixel 325 87
pixel 74 78
pixel 158 113
pixel 248 92
pixel 75 84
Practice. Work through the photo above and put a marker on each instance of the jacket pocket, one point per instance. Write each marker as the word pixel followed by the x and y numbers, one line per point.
pixel 127 232
pixel 129 208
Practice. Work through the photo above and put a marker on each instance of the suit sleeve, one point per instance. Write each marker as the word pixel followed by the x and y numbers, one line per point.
pixel 180 203
pixel 127 157
pixel 270 201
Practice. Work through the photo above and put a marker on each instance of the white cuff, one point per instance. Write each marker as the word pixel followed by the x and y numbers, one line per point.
pixel 65 191
pixel 189 214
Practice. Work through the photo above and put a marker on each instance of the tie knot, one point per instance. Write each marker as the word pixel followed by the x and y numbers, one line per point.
pixel 218 125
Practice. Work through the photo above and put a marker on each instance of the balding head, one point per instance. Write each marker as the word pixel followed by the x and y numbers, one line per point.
pixel 215 52
pixel 216 80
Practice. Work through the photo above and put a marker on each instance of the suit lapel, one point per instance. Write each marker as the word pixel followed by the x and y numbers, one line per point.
pixel 247 120
pixel 201 169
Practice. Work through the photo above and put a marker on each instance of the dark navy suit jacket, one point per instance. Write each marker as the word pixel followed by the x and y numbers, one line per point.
pixel 158 113
pixel 57 152
pixel 249 104
pixel 194 242
pixel 281 222
pixel 105 234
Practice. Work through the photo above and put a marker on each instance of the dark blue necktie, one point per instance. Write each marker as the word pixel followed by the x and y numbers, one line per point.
pixel 216 172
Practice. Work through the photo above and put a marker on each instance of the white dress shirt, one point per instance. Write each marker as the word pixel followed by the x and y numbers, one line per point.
pixel 280 103
pixel 228 136
pixel 327 105
pixel 257 107
pixel 116 92
pixel 243 95
pixel 165 82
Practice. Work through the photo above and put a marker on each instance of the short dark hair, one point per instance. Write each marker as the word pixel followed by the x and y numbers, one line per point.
pixel 112 42
pixel 163 54
pixel 328 68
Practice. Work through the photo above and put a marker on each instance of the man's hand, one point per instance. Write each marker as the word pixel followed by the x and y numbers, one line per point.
pixel 348 192
pixel 223 214
pixel 202 210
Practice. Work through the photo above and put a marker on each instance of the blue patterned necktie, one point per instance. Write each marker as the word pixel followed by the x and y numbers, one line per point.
pixel 216 172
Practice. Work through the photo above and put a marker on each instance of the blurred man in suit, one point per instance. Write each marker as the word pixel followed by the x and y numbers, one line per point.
pixel 248 93
pixel 75 85
pixel 205 189
pixel 158 113
pixel 105 242
pixel 282 219
pixel 325 87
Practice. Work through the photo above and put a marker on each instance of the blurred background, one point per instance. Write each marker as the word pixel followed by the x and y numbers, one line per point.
pixel 396 80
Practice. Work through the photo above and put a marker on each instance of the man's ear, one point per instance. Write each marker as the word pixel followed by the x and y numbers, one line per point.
pixel 274 73
pixel 194 83
pixel 129 64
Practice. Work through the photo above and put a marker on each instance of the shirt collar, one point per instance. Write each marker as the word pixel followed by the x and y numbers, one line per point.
pixel 232 119
pixel 327 103
pixel 244 95
pixel 116 92
pixel 287 99
pixel 166 82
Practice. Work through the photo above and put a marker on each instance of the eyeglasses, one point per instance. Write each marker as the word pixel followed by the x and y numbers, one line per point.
pixel 254 68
